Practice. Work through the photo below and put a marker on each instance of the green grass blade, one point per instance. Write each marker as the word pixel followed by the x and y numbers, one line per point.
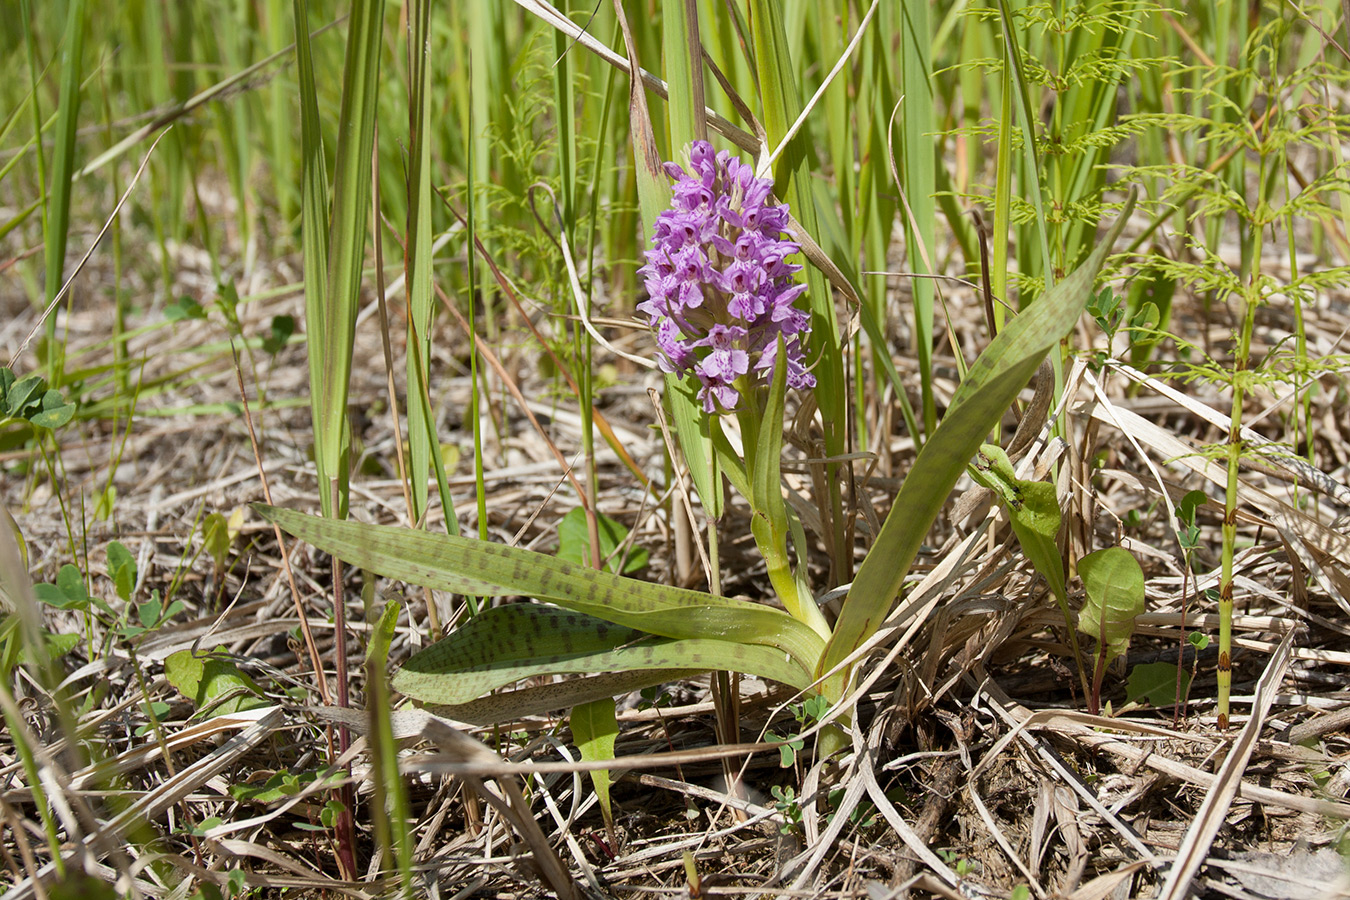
pixel 280 123
pixel 331 341
pixel 422 442
pixel 34 101
pixel 653 198
pixel 652 184
pixel 313 206
pixel 1028 119
pixel 684 72
pixel 918 164
pixel 1001 239
pixel 56 222
pixel 688 123
pixel 990 386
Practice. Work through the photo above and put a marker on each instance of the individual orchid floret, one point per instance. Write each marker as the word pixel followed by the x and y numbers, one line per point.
pixel 720 291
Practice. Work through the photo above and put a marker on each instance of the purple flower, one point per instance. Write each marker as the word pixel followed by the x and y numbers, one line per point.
pixel 719 287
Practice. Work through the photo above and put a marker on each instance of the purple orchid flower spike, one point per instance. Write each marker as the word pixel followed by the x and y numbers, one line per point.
pixel 719 288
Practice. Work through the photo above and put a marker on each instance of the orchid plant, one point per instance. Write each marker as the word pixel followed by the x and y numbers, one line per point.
pixel 737 321
pixel 722 303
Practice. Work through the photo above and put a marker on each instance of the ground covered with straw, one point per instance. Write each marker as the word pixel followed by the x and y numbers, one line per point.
pixel 972 767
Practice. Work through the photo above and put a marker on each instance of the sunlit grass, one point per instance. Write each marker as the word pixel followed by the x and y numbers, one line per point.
pixel 518 182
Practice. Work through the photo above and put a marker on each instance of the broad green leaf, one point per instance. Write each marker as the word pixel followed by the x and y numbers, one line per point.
pixel 986 392
pixel 464 566
pixel 24 393
pixel 1114 583
pixel 148 612
pixel 574 544
pixel 279 334
pixel 69 591
pixel 203 679
pixel 56 645
pixel 122 570
pixel 1189 503
pixel 503 645
pixel 278 787
pixel 1157 682
pixel 1146 319
pixel 1188 531
pixel 184 309
pixel 1033 509
pixel 1152 289
pixel 55 411
pixel 59 645
pixel 1029 504
pixel 595 728
pixel 216 539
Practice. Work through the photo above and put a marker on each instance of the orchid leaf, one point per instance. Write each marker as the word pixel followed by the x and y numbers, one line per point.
pixel 541 699
pixel 503 645
pixel 990 386
pixel 461 565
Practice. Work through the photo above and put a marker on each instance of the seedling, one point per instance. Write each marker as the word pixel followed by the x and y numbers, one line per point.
pixel 1114 584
